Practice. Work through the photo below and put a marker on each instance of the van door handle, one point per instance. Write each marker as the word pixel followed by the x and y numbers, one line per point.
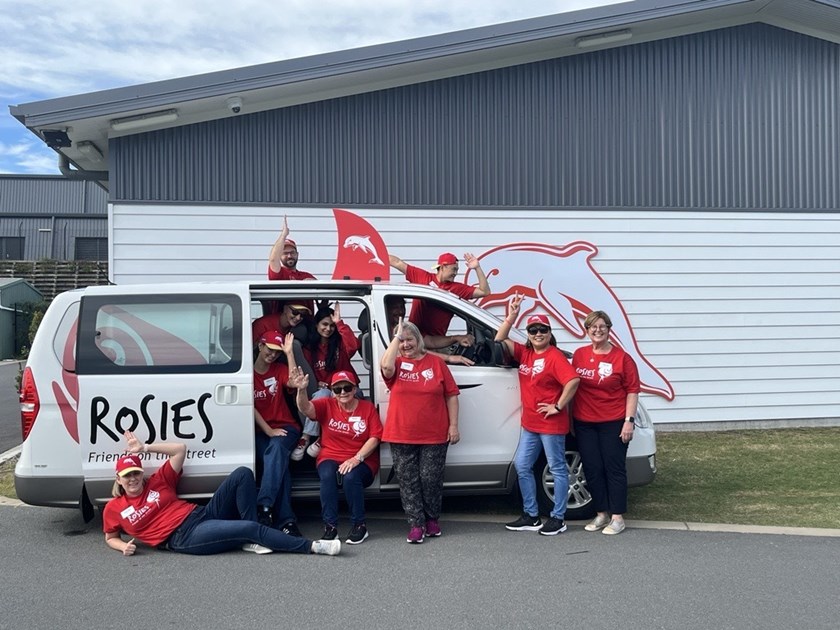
pixel 226 395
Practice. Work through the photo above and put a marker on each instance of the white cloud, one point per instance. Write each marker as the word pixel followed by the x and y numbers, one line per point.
pixel 27 157
pixel 52 49
pixel 73 48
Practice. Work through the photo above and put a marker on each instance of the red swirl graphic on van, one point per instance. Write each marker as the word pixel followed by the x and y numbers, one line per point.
pixel 67 408
pixel 133 342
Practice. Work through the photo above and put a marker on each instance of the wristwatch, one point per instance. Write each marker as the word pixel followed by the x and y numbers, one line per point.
pixel 630 419
pixel 557 407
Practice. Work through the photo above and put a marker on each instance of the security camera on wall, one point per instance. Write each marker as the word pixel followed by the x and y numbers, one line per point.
pixel 234 104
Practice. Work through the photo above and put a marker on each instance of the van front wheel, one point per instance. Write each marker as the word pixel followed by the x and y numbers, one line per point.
pixel 579 505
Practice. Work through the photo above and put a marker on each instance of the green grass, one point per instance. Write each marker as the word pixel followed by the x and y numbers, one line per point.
pixel 785 477
pixel 7 480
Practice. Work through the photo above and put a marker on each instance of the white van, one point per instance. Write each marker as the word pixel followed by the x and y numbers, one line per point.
pixel 175 362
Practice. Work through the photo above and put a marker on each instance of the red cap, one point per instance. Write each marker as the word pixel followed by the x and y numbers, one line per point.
pixel 289 244
pixel 446 259
pixel 273 339
pixel 127 464
pixel 538 319
pixel 341 376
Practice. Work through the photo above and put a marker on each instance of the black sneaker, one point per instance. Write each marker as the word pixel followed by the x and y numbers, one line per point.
pixel 264 515
pixel 330 533
pixel 291 529
pixel 525 523
pixel 357 535
pixel 553 526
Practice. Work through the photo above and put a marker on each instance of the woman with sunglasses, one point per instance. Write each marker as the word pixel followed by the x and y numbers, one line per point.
pixel 604 410
pixel 349 454
pixel 547 383
pixel 422 422
pixel 328 351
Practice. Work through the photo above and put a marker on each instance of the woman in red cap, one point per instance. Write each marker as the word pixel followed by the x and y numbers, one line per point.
pixel 547 383
pixel 328 351
pixel 349 454
pixel 604 410
pixel 150 511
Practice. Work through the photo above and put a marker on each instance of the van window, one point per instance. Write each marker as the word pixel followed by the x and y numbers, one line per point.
pixel 64 341
pixel 155 334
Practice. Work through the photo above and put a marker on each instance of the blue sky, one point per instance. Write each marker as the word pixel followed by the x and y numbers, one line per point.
pixel 51 49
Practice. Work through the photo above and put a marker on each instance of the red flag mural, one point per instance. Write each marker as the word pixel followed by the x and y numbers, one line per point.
pixel 362 254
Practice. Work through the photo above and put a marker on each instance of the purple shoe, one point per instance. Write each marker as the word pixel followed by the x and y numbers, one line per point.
pixel 415 536
pixel 433 528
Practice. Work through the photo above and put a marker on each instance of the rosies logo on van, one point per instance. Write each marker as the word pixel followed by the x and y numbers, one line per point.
pixel 183 419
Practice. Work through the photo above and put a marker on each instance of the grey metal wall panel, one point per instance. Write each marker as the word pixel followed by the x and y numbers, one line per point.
pixel 739 118
pixel 48 194
pixel 52 238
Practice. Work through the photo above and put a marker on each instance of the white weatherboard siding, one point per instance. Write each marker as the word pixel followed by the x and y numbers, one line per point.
pixel 739 311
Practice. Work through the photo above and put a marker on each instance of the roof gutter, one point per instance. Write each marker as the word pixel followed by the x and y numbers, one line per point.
pixel 71 173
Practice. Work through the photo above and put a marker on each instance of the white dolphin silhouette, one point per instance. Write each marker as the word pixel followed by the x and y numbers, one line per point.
pixel 363 242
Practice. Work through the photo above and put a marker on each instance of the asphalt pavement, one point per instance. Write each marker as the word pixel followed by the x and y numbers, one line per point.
pixel 59 573
pixel 9 406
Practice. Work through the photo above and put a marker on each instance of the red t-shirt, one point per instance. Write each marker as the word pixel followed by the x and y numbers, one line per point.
pixel 427 316
pixel 290 274
pixel 269 399
pixel 153 515
pixel 542 377
pixel 347 348
pixel 605 381
pixel 343 434
pixel 265 324
pixel 417 412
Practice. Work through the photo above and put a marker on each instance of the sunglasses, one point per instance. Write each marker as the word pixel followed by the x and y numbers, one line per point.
pixel 343 389
pixel 297 312
pixel 538 330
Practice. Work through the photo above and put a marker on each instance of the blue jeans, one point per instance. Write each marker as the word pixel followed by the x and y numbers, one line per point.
pixel 354 484
pixel 229 521
pixel 276 483
pixel 530 445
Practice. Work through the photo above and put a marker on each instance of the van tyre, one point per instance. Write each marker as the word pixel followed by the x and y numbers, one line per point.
pixel 580 501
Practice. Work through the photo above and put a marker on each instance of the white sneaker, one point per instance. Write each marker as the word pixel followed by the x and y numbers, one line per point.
pixel 615 527
pixel 314 449
pixel 326 547
pixel 256 548
pixel 297 454
pixel 599 522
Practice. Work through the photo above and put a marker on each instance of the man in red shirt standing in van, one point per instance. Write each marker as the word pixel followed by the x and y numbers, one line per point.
pixel 431 319
pixel 283 259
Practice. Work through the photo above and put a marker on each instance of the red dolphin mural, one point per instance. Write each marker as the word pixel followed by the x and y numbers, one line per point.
pixel 562 282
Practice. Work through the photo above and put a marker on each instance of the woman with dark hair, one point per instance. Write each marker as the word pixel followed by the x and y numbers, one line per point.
pixel 327 352
pixel 604 410
pixel 547 383
pixel 149 510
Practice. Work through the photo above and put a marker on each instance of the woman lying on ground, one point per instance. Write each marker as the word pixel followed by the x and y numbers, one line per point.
pixel 150 511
